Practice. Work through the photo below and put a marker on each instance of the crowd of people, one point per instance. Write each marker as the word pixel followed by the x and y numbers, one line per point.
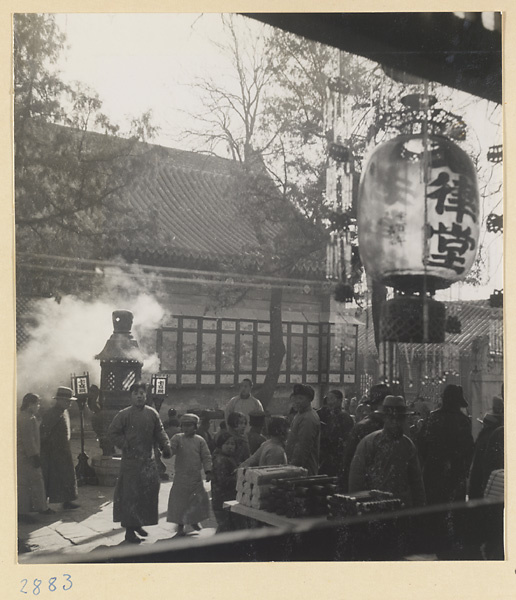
pixel 421 457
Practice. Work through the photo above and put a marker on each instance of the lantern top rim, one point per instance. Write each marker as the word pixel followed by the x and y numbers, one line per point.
pixel 413 121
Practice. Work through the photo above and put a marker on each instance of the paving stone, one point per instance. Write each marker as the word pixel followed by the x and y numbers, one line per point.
pixel 75 531
pixel 91 526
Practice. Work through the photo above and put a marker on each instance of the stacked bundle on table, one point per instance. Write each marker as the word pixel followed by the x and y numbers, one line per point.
pixel 301 496
pixel 361 503
pixel 254 483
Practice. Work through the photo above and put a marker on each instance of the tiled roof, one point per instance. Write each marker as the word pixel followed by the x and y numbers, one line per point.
pixel 198 211
pixel 202 217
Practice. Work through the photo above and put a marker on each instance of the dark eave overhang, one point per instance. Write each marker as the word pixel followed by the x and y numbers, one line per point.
pixel 438 46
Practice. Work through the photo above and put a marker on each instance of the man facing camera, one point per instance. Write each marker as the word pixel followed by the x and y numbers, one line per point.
pixel 305 432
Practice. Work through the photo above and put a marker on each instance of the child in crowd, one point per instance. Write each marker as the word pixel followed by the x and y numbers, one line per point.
pixel 272 451
pixel 188 503
pixel 237 423
pixel 223 483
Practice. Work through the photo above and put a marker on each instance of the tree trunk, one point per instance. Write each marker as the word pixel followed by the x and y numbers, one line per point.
pixel 276 349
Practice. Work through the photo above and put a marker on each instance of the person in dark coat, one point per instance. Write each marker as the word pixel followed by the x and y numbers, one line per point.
pixel 479 474
pixel 373 422
pixel 56 455
pixel 305 433
pixel 223 480
pixel 445 445
pixel 336 425
pixel 494 456
pixel 31 487
pixel 255 437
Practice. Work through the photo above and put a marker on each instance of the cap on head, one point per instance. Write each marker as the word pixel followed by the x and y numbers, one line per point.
pixel 453 396
pixel 300 389
pixel 394 405
pixel 189 418
pixel 64 393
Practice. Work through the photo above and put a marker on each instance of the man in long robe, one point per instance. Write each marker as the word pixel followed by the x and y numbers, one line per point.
pixel 188 503
pixel 136 430
pixel 387 459
pixel 56 455
pixel 305 433
pixel 445 445
pixel 31 487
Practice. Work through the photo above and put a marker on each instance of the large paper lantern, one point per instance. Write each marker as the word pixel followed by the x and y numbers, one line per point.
pixel 418 229
pixel 418 213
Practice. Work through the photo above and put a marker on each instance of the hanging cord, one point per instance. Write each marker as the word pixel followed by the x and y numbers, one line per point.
pixel 426 239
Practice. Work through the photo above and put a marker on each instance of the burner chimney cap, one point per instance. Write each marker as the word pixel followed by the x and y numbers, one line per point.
pixel 121 346
pixel 122 321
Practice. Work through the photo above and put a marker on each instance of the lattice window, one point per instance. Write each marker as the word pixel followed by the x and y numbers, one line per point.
pixel 111 381
pixel 128 380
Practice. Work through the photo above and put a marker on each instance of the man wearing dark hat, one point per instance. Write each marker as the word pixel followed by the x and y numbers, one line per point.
pixel 56 455
pixel 255 437
pixel 480 465
pixel 305 432
pixel 373 422
pixel 445 445
pixel 387 459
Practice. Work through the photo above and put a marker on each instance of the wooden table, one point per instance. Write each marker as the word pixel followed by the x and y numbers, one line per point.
pixel 270 518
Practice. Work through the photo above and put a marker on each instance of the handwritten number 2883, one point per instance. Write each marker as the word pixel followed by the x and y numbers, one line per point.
pixel 36 590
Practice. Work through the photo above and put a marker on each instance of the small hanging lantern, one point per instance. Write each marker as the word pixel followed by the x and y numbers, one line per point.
pixel 495 154
pixel 496 299
pixel 494 223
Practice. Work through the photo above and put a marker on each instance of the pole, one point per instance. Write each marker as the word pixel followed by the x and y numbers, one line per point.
pixel 81 415
pixel 84 473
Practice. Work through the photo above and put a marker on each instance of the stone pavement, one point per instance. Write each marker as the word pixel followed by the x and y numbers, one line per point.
pixel 91 526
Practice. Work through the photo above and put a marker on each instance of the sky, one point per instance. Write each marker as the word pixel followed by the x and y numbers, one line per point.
pixel 141 62
pixel 137 62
